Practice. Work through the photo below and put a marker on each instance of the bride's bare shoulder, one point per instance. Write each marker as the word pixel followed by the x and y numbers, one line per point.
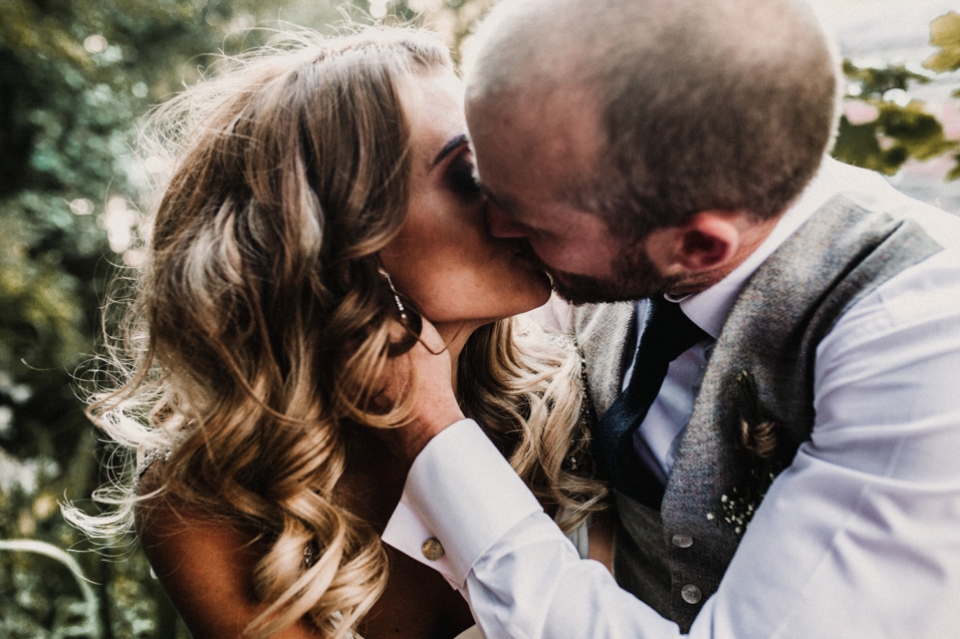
pixel 204 563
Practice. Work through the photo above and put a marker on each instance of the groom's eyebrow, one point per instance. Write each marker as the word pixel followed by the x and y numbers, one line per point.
pixel 448 148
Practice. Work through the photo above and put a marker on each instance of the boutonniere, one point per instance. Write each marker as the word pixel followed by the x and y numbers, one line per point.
pixel 759 436
pixel 758 432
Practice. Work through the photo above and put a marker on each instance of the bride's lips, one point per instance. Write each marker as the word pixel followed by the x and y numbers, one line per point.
pixel 530 260
pixel 527 255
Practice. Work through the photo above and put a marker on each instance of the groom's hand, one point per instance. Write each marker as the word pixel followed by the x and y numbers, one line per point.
pixel 425 372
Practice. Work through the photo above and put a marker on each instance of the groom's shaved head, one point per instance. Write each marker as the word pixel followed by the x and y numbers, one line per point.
pixel 699 104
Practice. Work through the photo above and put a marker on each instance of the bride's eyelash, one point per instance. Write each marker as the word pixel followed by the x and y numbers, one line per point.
pixel 461 177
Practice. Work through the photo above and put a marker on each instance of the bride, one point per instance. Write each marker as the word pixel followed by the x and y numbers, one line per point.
pixel 322 202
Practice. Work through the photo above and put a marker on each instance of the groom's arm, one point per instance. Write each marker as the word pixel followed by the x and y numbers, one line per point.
pixel 505 555
pixel 857 538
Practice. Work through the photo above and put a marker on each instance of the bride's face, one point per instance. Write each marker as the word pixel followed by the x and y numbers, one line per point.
pixel 444 259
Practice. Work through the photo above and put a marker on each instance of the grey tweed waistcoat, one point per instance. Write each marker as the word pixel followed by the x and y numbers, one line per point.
pixel 674 558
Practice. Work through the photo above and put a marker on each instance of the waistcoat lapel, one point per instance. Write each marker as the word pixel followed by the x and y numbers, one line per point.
pixel 603 333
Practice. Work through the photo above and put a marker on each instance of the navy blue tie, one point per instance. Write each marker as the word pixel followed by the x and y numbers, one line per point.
pixel 667 334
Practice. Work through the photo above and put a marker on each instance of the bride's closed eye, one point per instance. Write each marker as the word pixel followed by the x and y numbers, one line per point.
pixel 461 177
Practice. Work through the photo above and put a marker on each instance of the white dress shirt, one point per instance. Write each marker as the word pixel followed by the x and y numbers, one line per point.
pixel 859 537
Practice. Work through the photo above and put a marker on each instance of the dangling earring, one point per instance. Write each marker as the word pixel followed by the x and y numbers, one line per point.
pixel 396 297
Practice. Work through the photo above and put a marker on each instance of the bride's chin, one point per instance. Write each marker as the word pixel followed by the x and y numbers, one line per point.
pixel 540 290
pixel 546 285
pixel 533 298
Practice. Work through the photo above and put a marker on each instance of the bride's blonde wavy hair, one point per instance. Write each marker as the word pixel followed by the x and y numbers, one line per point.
pixel 260 322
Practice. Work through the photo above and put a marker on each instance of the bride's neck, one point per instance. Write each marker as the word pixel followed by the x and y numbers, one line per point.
pixel 455 336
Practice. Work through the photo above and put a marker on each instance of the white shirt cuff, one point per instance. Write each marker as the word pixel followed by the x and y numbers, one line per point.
pixel 461 491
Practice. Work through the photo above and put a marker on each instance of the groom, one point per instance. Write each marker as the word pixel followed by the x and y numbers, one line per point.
pixel 780 410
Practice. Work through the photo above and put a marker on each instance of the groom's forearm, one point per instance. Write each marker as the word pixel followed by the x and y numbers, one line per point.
pixel 532 585
pixel 475 521
pixel 507 557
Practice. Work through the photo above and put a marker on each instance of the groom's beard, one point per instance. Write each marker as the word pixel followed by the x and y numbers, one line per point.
pixel 634 277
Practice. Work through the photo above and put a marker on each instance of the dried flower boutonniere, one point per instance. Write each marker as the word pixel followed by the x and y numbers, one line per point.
pixel 758 433
pixel 759 437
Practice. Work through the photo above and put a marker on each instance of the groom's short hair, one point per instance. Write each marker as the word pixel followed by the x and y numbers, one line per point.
pixel 704 104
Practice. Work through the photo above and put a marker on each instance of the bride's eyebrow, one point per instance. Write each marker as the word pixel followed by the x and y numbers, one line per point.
pixel 448 148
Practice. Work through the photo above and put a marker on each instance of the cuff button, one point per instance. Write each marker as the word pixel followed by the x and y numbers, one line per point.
pixel 432 549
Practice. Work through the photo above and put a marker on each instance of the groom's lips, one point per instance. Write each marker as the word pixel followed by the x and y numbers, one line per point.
pixel 525 257
pixel 528 255
pixel 530 259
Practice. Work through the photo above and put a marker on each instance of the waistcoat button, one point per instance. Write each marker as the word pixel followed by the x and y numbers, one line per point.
pixel 432 549
pixel 691 594
pixel 682 541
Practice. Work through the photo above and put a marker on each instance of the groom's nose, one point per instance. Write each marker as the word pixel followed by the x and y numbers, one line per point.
pixel 501 224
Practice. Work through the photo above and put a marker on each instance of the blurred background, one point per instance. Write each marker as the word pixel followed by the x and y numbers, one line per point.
pixel 75 77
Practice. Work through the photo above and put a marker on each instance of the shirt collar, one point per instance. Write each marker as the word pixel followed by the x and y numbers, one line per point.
pixel 709 309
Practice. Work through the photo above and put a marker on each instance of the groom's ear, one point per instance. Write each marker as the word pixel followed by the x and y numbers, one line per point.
pixel 705 242
pixel 708 240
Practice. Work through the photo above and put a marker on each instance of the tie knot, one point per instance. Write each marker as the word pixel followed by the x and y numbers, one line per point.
pixel 668 331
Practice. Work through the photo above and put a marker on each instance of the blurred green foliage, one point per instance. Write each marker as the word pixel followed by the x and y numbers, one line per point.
pixel 900 129
pixel 74 78
pixel 945 35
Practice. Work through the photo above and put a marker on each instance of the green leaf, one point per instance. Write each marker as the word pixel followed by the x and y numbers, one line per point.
pixel 945 34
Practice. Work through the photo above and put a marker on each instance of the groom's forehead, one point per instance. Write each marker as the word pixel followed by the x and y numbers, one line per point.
pixel 540 140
